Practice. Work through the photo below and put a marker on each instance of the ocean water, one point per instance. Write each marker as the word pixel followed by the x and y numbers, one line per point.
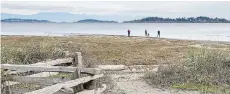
pixel 191 31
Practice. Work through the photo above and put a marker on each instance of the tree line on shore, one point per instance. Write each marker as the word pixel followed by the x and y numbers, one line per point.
pixel 25 20
pixel 200 19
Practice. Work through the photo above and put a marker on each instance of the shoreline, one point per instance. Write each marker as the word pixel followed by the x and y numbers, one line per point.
pixel 104 35
pixel 124 23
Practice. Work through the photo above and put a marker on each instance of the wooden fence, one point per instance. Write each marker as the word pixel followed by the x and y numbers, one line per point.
pixel 77 84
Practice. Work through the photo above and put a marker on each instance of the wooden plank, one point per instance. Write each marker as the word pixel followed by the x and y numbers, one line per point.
pixel 42 74
pixel 38 80
pixel 47 63
pixel 47 90
pixel 112 67
pixel 46 74
pixel 54 62
pixel 49 68
pixel 38 68
pixel 91 71
pixel 94 91
pixel 54 88
pixel 81 80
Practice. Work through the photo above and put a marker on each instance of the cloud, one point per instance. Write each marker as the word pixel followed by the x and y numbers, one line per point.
pixel 132 8
pixel 37 7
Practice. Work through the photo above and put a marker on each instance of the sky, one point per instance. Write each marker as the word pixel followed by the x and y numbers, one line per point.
pixel 170 9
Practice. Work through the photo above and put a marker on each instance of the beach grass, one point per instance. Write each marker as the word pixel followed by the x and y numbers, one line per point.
pixel 28 51
pixel 204 88
pixel 206 70
pixel 121 50
pixel 95 49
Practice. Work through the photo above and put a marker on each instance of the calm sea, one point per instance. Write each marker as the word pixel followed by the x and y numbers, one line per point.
pixel 192 31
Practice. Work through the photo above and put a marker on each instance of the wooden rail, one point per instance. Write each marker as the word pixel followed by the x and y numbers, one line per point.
pixel 38 80
pixel 49 68
pixel 47 63
pixel 71 83
pixel 42 74
pixel 67 83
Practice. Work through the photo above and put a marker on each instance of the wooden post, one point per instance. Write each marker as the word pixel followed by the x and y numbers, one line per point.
pixel 77 62
pixel 8 90
pixel 5 86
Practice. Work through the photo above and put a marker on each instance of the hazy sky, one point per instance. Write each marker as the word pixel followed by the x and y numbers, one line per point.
pixel 130 8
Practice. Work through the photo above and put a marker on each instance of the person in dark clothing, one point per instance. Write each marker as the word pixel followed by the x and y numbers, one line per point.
pixel 146 33
pixel 129 33
pixel 158 33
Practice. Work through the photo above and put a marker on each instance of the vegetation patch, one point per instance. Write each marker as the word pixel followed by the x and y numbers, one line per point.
pixel 204 70
pixel 198 87
pixel 61 75
pixel 27 86
pixel 95 49
pixel 28 51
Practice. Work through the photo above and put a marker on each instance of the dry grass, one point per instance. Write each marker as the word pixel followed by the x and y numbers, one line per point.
pixel 26 51
pixel 95 49
pixel 98 49
pixel 207 70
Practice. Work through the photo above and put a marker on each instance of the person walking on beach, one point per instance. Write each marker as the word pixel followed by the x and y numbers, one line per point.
pixel 158 33
pixel 129 33
pixel 146 33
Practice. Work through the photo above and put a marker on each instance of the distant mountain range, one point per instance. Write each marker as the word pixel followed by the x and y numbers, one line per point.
pixel 15 20
pixel 69 17
pixel 94 21
pixel 50 17
pixel 200 19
